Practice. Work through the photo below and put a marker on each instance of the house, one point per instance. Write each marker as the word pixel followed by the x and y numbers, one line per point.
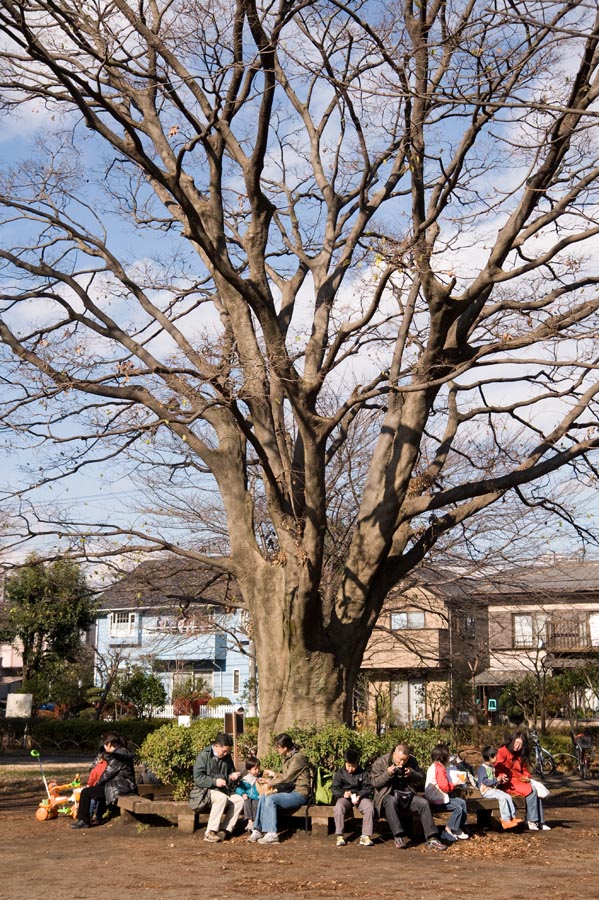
pixel 542 619
pixel 11 663
pixel 183 620
pixel 446 641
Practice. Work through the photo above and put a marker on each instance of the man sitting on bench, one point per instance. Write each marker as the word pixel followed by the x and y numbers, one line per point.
pixel 395 777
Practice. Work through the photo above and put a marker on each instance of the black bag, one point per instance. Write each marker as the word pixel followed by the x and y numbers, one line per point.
pixel 285 787
pixel 403 797
pixel 199 799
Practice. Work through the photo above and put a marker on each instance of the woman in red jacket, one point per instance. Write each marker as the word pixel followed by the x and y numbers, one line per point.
pixel 512 762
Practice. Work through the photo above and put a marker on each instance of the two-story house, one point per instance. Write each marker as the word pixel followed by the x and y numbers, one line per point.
pixel 445 635
pixel 540 619
pixel 181 619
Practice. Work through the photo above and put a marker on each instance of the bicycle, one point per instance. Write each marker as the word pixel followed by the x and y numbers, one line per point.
pixel 580 760
pixel 583 750
pixel 544 763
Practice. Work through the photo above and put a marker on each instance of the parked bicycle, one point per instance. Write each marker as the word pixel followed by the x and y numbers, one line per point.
pixel 543 761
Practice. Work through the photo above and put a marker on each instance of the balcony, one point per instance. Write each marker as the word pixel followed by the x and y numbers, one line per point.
pixel 570 634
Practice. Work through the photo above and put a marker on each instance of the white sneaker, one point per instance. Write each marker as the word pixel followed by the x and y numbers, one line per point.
pixel 545 827
pixel 271 837
pixel 532 826
pixel 254 837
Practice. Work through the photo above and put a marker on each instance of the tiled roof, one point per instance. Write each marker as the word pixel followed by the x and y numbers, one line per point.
pixel 169 582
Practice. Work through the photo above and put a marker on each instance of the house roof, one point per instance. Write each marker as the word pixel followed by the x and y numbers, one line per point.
pixel 170 582
pixel 551 580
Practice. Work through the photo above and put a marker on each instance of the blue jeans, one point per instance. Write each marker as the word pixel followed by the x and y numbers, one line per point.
pixel 459 815
pixel 507 810
pixel 534 808
pixel 266 817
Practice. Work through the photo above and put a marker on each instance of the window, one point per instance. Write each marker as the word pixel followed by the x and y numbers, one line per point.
pixel 401 621
pixel 236 681
pixel 122 624
pixel 467 627
pixel 530 629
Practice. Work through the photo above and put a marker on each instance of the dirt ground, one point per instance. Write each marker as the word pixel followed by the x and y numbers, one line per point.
pixel 50 859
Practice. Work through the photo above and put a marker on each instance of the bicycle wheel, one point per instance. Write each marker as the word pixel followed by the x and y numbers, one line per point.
pixel 565 763
pixel 544 763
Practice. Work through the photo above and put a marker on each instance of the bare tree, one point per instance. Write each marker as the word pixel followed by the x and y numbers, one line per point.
pixel 238 210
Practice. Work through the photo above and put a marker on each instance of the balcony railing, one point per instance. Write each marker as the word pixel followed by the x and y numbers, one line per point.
pixel 569 635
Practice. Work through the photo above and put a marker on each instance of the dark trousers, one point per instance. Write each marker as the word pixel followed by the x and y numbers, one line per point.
pixel 87 795
pixel 394 806
pixel 250 808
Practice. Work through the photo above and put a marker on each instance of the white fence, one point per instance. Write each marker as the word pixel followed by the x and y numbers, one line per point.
pixel 206 712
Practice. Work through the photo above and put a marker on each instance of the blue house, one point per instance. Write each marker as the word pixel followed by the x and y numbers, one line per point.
pixel 183 621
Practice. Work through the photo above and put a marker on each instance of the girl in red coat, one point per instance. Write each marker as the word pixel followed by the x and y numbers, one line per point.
pixel 511 761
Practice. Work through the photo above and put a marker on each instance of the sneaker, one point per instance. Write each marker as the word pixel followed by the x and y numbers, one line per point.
pixel 213 837
pixel 434 844
pixel 545 827
pixel 366 841
pixel 510 823
pixel 271 837
pixel 461 835
pixel 250 826
pixel 448 836
pixel 254 837
pixel 340 841
pixel 533 826
pixel 401 842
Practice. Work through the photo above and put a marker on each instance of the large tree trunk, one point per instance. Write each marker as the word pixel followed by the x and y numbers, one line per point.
pixel 301 679
pixel 305 677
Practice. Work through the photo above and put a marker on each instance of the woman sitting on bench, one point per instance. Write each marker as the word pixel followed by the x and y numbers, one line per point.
pixel 290 790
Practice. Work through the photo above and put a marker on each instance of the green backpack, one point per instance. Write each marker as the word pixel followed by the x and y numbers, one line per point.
pixel 323 787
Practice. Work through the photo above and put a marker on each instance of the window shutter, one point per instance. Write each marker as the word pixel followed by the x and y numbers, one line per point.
pixel 500 630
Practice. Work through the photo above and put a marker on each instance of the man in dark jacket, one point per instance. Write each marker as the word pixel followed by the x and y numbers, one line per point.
pixel 214 769
pixel 395 777
pixel 118 778
pixel 351 788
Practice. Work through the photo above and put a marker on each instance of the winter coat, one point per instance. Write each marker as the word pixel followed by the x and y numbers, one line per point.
pixel 119 775
pixel 438 786
pixel 514 766
pixel 384 783
pixel 208 767
pixel 295 770
pixel 247 785
pixel 357 782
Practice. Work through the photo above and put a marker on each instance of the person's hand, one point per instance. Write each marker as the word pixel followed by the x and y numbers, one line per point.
pixel 391 770
pixel 347 795
pixel 245 796
pixel 407 771
pixel 220 782
pixel 269 773
pixel 234 776
pixel 525 779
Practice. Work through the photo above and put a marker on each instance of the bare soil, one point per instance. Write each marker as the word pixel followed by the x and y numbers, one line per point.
pixel 50 859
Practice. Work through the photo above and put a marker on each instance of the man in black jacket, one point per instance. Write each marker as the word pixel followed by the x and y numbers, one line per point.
pixel 214 769
pixel 395 777
pixel 351 788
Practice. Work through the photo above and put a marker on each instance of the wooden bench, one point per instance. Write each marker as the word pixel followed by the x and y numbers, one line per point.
pixel 152 801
